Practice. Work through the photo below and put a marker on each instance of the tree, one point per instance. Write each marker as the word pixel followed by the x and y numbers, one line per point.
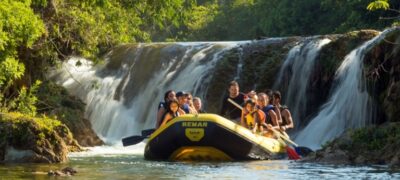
pixel 383 4
pixel 20 28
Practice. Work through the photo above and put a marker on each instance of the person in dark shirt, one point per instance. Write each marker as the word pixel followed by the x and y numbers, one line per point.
pixel 162 106
pixel 229 110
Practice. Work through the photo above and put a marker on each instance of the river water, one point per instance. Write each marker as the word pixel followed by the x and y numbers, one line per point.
pixel 128 163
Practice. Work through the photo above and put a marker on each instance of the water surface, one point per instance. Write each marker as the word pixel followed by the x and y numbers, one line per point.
pixel 128 163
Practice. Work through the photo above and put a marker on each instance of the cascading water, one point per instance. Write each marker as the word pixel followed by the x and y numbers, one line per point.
pixel 122 96
pixel 240 65
pixel 349 105
pixel 299 62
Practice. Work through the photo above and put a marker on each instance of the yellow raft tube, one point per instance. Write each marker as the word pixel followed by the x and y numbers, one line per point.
pixel 209 137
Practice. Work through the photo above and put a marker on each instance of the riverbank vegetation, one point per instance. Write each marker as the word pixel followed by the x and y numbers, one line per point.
pixel 370 145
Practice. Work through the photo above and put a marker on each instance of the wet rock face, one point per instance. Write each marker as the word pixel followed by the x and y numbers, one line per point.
pixel 382 72
pixel 371 145
pixel 70 110
pixel 255 65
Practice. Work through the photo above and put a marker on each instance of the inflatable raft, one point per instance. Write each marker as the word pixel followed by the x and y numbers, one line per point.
pixel 209 137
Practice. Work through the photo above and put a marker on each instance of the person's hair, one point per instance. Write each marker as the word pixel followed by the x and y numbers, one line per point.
pixel 169 105
pixel 196 98
pixel 249 101
pixel 269 93
pixel 277 94
pixel 166 95
pixel 261 94
pixel 233 83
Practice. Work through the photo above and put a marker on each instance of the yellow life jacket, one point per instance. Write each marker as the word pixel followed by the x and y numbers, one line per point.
pixel 250 121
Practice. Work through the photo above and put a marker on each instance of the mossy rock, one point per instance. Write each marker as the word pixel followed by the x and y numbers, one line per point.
pixel 34 139
pixel 56 102
pixel 369 145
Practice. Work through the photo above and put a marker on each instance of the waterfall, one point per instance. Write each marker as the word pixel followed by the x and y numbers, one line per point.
pixel 239 67
pixel 122 95
pixel 299 64
pixel 349 105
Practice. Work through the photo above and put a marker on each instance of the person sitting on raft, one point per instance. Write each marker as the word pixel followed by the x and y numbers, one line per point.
pixel 162 107
pixel 228 110
pixel 198 105
pixel 283 111
pixel 172 112
pixel 252 117
pixel 183 102
pixel 265 103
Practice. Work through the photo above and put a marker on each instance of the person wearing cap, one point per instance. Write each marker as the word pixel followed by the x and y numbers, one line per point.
pixel 229 110
pixel 182 99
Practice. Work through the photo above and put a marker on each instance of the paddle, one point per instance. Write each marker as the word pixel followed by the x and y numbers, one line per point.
pixel 132 140
pixel 303 151
pixel 291 152
pixel 148 132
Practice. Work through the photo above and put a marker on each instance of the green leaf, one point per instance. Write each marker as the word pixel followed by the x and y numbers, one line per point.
pixel 380 4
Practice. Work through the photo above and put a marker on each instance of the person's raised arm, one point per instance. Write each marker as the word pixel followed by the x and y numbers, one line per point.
pixel 278 114
pixel 288 116
pixel 274 119
pixel 167 117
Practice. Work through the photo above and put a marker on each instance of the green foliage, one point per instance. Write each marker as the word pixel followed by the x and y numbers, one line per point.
pixel 380 4
pixel 384 5
pixel 89 29
pixel 42 135
pixel 375 138
pixel 201 17
pixel 19 26
pixel 10 70
pixel 249 19
pixel 19 29
pixel 26 100
pixel 326 144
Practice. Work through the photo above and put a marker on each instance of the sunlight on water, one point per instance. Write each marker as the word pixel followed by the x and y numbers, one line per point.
pixel 110 150
pixel 101 163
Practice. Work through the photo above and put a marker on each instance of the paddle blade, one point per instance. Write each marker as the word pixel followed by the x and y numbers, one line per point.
pixel 303 151
pixel 147 132
pixel 132 140
pixel 292 153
